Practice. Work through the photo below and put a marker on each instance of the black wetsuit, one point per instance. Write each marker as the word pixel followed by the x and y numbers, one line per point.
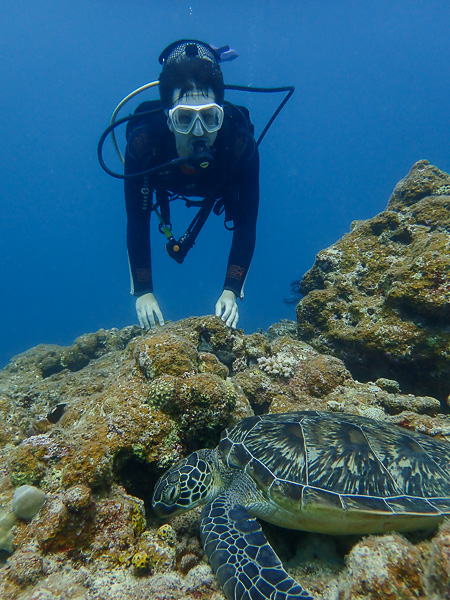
pixel 234 177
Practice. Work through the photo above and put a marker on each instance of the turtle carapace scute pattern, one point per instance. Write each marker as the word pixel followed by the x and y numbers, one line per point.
pixel 316 471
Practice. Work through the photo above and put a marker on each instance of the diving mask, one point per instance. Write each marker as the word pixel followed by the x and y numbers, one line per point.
pixel 184 116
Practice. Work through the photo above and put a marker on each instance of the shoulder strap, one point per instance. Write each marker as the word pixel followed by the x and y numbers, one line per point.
pixel 241 143
pixel 148 113
pixel 239 116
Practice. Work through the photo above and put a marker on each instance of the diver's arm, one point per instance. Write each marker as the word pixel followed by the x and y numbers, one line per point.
pixel 244 232
pixel 138 200
pixel 138 237
pixel 138 207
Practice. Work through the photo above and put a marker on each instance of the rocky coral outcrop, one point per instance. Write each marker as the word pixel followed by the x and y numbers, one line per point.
pixel 379 298
pixel 95 438
pixel 390 566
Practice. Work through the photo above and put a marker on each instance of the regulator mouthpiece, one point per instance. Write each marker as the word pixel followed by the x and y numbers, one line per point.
pixel 202 158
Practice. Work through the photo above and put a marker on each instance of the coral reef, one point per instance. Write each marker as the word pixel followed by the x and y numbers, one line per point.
pixel 379 298
pixel 93 425
pixel 95 440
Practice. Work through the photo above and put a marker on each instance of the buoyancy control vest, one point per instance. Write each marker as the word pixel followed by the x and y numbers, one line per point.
pixel 234 146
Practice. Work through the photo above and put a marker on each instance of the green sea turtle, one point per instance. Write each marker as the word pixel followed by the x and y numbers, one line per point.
pixel 314 471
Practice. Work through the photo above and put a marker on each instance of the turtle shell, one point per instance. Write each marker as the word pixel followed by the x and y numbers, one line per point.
pixel 324 463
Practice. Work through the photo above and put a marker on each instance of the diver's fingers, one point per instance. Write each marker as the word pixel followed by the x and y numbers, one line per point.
pixel 219 307
pixel 159 315
pixel 143 321
pixel 233 317
pixel 228 310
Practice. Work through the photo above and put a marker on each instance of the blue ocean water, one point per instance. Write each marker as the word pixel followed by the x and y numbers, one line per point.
pixel 372 90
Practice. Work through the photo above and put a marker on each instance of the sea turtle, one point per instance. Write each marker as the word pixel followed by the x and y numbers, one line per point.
pixel 315 471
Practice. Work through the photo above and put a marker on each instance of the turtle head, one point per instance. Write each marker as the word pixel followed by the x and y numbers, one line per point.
pixel 190 482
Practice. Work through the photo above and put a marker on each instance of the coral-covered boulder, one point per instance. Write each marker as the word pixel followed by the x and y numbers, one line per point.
pixel 384 567
pixel 200 403
pixel 438 567
pixel 94 439
pixel 379 298
pixel 164 353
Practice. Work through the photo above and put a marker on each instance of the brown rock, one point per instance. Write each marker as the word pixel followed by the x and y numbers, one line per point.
pixel 379 298
pixel 384 568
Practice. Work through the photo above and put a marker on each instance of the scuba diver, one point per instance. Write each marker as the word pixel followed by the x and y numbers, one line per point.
pixel 190 144
pixel 194 122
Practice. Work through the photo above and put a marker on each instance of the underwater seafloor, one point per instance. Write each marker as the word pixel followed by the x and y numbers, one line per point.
pixel 93 425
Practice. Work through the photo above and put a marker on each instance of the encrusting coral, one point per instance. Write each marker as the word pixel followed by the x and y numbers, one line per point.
pixel 125 420
pixel 27 501
pixel 379 298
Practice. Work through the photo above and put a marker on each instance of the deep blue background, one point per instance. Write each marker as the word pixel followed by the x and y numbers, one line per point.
pixel 372 97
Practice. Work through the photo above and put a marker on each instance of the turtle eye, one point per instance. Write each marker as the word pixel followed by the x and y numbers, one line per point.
pixel 171 494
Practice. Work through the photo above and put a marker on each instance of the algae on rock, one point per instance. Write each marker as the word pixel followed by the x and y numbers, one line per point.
pixel 128 414
pixel 379 298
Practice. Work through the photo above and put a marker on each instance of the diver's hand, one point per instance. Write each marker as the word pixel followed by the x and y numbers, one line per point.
pixel 227 309
pixel 147 309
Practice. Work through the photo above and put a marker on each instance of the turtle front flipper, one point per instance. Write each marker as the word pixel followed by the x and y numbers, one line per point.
pixel 245 565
